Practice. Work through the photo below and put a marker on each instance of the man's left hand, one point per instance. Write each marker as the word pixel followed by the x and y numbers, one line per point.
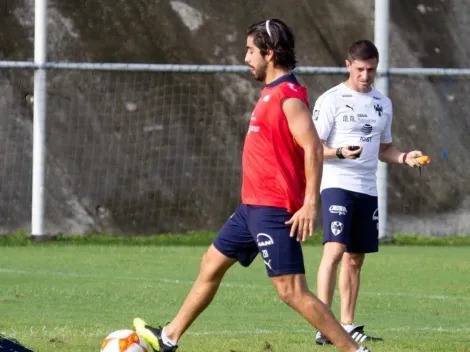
pixel 302 222
pixel 411 158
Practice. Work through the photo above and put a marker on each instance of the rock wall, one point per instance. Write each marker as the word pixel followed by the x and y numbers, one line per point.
pixel 160 152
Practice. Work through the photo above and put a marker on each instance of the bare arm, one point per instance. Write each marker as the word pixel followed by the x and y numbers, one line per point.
pixel 328 153
pixel 388 153
pixel 305 134
pixel 302 129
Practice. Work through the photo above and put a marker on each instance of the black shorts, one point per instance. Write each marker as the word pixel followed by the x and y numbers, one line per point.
pixel 258 229
pixel 350 218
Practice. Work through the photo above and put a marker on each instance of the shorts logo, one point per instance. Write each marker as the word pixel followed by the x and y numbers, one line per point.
pixel 268 263
pixel 337 227
pixel 375 216
pixel 338 209
pixel 264 240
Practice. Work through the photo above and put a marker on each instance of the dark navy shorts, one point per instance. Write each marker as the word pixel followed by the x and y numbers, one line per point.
pixel 258 229
pixel 350 218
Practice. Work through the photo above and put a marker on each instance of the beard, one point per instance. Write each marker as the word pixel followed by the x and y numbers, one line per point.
pixel 260 72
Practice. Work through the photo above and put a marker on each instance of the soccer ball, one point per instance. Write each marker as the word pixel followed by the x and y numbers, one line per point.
pixel 124 341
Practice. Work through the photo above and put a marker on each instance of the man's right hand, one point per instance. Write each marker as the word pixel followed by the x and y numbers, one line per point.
pixel 351 154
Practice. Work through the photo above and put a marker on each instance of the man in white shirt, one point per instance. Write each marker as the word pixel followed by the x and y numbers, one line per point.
pixel 354 122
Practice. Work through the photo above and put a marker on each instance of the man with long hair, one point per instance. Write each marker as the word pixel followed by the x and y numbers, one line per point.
pixel 282 167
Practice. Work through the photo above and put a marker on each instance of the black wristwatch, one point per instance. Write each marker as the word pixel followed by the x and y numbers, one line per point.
pixel 339 153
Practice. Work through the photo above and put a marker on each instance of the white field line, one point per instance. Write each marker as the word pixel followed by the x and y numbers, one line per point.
pixel 307 331
pixel 65 332
pixel 224 284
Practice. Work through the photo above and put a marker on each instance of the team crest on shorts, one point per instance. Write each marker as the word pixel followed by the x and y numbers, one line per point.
pixel 337 227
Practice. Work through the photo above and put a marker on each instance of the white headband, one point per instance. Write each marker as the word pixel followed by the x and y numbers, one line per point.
pixel 267 29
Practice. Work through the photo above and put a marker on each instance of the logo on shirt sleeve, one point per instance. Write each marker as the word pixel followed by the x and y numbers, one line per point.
pixel 292 86
pixel 316 113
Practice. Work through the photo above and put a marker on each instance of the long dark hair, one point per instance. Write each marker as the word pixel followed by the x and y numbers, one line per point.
pixel 275 35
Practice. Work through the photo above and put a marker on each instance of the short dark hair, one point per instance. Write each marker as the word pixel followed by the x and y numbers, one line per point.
pixel 362 50
pixel 277 36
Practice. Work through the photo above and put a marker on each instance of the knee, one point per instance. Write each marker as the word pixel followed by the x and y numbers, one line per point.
pixel 289 291
pixel 286 295
pixel 332 255
pixel 354 260
pixel 208 269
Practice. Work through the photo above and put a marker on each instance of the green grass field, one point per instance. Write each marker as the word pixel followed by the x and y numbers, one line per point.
pixel 68 297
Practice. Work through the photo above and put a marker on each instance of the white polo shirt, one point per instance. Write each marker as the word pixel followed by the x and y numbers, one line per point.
pixel 343 116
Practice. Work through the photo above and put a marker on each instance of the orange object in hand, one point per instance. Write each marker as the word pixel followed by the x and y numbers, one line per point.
pixel 423 159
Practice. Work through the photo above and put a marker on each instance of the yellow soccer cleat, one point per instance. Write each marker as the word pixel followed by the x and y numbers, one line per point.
pixel 153 336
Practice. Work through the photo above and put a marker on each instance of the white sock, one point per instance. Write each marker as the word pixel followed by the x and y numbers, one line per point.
pixel 166 340
pixel 362 349
pixel 348 327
